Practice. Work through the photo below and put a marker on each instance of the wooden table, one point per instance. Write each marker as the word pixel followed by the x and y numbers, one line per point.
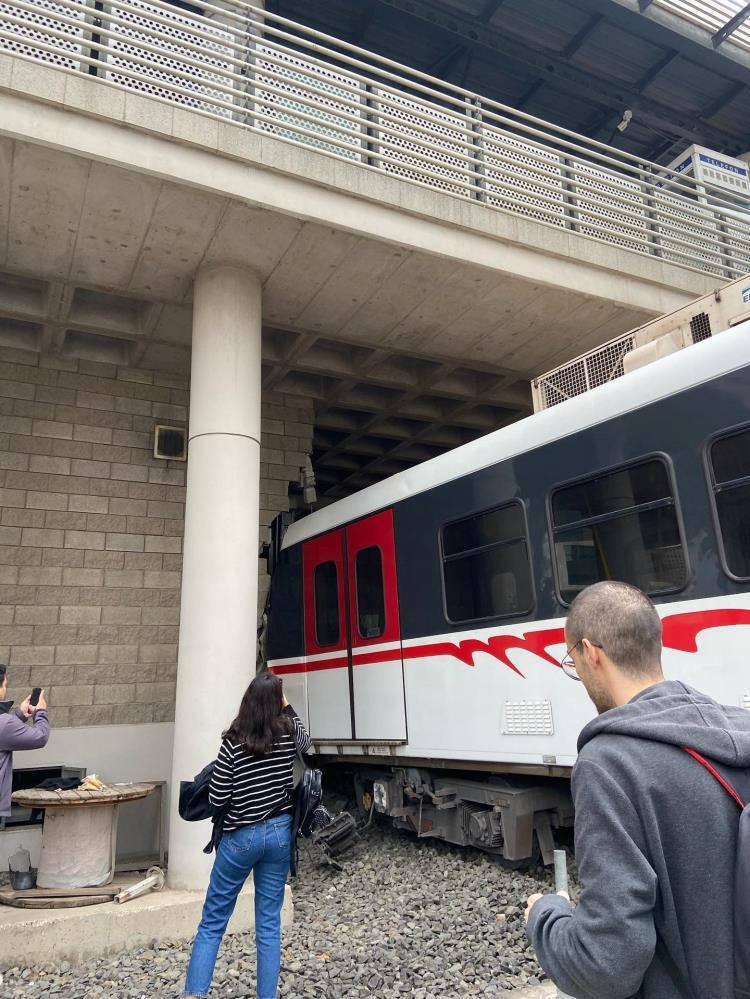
pixel 79 837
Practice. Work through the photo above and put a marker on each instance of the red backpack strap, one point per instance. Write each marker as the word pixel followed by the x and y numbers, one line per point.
pixel 716 775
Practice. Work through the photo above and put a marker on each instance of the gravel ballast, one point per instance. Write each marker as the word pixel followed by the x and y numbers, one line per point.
pixel 406 917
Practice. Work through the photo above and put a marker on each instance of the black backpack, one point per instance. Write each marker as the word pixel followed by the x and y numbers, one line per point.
pixel 741 882
pixel 308 795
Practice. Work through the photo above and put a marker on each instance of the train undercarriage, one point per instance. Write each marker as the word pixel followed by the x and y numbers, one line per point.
pixel 512 817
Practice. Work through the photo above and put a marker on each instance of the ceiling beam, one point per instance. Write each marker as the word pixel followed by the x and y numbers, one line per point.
pixel 392 452
pixel 445 62
pixel 729 28
pixel 366 14
pixel 584 84
pixel 282 368
pixel 729 95
pixel 530 92
pixel 489 10
pixel 666 60
pixel 581 36
pixel 392 410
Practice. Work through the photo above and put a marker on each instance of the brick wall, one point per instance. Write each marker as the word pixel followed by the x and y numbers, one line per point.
pixel 91 531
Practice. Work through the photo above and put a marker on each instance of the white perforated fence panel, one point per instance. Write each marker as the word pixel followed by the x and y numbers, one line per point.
pixel 614 204
pixel 416 123
pixel 737 244
pixel 593 369
pixel 532 183
pixel 685 235
pixel 325 104
pixel 29 27
pixel 174 42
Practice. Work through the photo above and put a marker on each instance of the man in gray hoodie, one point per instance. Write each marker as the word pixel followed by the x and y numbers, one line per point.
pixel 16 733
pixel 655 833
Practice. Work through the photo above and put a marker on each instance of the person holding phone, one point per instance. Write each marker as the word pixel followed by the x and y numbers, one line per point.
pixel 16 733
pixel 253 779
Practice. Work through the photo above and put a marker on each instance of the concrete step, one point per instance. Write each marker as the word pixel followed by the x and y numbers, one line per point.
pixel 77 935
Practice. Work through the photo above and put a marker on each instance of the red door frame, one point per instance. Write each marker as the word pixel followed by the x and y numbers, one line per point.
pixel 377 532
pixel 315 552
pixel 341 547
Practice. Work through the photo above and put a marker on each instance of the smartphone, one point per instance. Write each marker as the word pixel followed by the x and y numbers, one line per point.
pixel 36 693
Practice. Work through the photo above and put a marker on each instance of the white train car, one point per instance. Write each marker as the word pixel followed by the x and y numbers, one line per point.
pixel 418 625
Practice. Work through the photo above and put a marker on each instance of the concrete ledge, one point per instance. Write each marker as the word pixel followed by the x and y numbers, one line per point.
pixel 77 935
pixel 185 147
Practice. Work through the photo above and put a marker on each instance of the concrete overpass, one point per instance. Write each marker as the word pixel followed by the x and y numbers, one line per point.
pixel 266 210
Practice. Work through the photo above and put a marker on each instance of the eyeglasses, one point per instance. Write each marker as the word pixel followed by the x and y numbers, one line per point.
pixel 566 663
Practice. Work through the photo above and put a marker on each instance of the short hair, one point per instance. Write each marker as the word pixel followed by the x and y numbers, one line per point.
pixel 621 619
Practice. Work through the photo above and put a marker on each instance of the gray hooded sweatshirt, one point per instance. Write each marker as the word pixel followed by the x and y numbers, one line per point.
pixel 15 733
pixel 655 839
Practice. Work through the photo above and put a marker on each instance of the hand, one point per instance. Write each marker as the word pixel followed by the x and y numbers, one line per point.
pixel 41 704
pixel 533 899
pixel 530 903
pixel 25 708
pixel 284 701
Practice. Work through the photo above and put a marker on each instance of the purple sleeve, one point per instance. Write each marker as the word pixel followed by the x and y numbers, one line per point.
pixel 17 735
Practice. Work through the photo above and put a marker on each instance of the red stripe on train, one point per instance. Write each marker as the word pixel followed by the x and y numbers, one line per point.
pixel 679 632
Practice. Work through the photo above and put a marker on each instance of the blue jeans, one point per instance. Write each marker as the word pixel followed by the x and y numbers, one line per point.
pixel 264 849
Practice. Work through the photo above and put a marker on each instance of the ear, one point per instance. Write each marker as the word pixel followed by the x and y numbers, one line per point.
pixel 594 655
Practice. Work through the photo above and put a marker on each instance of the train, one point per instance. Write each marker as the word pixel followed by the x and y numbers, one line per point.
pixel 418 625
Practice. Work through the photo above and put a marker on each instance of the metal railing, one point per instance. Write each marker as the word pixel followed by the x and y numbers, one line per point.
pixel 235 62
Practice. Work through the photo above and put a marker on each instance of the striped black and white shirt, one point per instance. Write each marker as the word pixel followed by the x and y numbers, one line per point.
pixel 259 786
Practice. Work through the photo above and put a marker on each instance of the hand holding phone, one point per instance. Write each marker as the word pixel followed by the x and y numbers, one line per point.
pixel 35 695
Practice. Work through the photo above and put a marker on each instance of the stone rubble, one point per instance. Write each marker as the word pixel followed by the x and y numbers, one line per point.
pixel 406 917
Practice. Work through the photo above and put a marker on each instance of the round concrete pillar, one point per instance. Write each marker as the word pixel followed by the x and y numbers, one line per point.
pixel 216 658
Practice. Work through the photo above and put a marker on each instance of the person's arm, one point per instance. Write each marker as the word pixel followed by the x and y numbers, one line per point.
pixel 605 946
pixel 222 778
pixel 16 734
pixel 299 733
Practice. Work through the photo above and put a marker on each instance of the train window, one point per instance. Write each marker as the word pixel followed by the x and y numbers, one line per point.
pixel 486 569
pixel 370 595
pixel 326 604
pixel 621 524
pixel 730 469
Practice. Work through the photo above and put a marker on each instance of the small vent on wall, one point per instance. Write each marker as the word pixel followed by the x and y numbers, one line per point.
pixel 528 718
pixel 700 327
pixel 170 443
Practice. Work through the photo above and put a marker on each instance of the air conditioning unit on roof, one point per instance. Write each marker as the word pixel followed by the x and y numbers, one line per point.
pixel 705 317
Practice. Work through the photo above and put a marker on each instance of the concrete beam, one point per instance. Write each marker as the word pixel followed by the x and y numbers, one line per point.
pixel 267 172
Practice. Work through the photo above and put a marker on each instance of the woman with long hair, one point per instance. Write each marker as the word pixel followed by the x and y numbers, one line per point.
pixel 253 776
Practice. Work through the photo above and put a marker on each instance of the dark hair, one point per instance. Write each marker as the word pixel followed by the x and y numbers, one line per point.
pixel 3 671
pixel 623 620
pixel 259 724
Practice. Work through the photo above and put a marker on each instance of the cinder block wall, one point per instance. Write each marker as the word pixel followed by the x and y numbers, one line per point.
pixel 91 531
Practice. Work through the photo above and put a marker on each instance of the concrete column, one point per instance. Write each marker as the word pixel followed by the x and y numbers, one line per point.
pixel 216 658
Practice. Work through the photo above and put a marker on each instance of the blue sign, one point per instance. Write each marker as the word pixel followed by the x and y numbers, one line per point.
pixel 722 164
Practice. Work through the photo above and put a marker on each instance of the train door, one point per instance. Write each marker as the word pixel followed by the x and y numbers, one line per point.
pixel 328 663
pixel 375 629
pixel 355 679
